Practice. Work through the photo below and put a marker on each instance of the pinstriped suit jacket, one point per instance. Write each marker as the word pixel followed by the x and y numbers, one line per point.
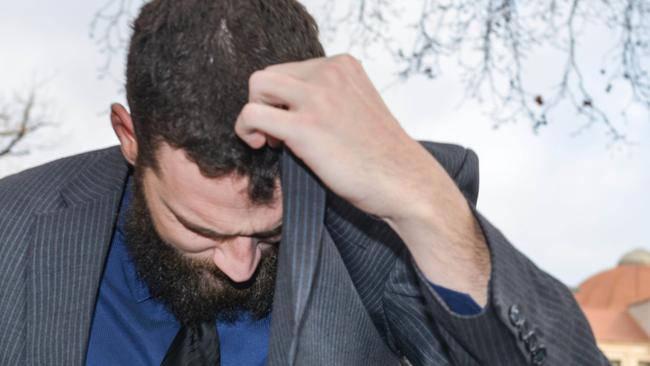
pixel 347 291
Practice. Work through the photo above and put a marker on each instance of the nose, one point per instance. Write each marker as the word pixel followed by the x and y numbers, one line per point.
pixel 238 258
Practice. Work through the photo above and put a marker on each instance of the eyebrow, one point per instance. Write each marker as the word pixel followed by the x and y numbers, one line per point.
pixel 219 236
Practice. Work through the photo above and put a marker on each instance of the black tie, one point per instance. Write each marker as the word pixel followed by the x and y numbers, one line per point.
pixel 196 345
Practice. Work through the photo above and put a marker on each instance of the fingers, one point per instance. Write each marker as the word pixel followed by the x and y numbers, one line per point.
pixel 259 124
pixel 276 89
pixel 266 120
pixel 277 92
pixel 301 70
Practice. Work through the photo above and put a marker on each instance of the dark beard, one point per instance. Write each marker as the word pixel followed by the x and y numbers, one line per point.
pixel 193 290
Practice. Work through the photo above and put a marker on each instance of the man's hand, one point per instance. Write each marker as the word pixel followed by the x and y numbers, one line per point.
pixel 329 114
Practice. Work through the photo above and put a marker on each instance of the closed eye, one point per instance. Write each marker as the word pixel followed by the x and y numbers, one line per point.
pixel 273 240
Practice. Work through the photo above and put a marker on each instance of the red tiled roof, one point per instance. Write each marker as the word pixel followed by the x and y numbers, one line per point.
pixel 617 288
pixel 606 297
pixel 615 325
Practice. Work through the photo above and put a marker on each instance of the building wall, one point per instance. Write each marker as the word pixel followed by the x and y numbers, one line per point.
pixel 641 313
pixel 628 354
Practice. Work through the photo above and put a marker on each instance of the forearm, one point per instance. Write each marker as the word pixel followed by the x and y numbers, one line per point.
pixel 495 336
pixel 443 236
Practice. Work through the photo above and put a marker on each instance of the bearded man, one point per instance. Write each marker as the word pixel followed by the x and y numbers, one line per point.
pixel 265 207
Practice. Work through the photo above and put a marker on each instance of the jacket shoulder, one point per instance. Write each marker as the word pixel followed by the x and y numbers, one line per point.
pixel 460 163
pixel 37 188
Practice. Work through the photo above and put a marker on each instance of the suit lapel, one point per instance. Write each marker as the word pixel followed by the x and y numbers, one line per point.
pixel 66 258
pixel 303 219
pixel 318 317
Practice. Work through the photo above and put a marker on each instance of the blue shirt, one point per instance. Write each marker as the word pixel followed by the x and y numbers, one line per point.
pixel 131 328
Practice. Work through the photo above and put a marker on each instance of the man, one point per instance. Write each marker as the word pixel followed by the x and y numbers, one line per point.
pixel 264 206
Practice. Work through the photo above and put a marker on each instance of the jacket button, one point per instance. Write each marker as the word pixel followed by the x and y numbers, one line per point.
pixel 516 318
pixel 538 356
pixel 525 333
pixel 532 342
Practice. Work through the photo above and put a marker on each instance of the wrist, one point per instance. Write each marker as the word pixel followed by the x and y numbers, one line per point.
pixel 438 227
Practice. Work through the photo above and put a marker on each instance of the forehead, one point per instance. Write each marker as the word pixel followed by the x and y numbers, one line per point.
pixel 219 203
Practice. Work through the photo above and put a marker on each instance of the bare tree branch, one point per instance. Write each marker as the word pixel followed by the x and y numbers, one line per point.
pixel 492 42
pixel 14 131
pixel 110 31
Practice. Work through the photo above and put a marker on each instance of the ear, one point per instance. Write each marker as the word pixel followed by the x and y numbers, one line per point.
pixel 123 127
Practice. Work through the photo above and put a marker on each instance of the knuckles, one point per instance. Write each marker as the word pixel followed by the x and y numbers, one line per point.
pixel 348 60
pixel 256 80
pixel 335 74
pixel 249 113
pixel 349 63
pixel 342 69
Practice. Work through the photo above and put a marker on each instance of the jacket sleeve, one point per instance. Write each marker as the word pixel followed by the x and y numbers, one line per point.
pixel 530 318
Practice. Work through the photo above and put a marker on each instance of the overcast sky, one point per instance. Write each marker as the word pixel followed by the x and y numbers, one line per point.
pixel 570 203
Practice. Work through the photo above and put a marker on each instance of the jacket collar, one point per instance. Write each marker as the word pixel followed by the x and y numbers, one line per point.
pixel 302 230
pixel 103 175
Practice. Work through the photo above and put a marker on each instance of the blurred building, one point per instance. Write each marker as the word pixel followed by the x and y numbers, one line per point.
pixel 617 304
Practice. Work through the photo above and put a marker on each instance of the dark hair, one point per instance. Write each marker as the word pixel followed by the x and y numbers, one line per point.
pixel 187 77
